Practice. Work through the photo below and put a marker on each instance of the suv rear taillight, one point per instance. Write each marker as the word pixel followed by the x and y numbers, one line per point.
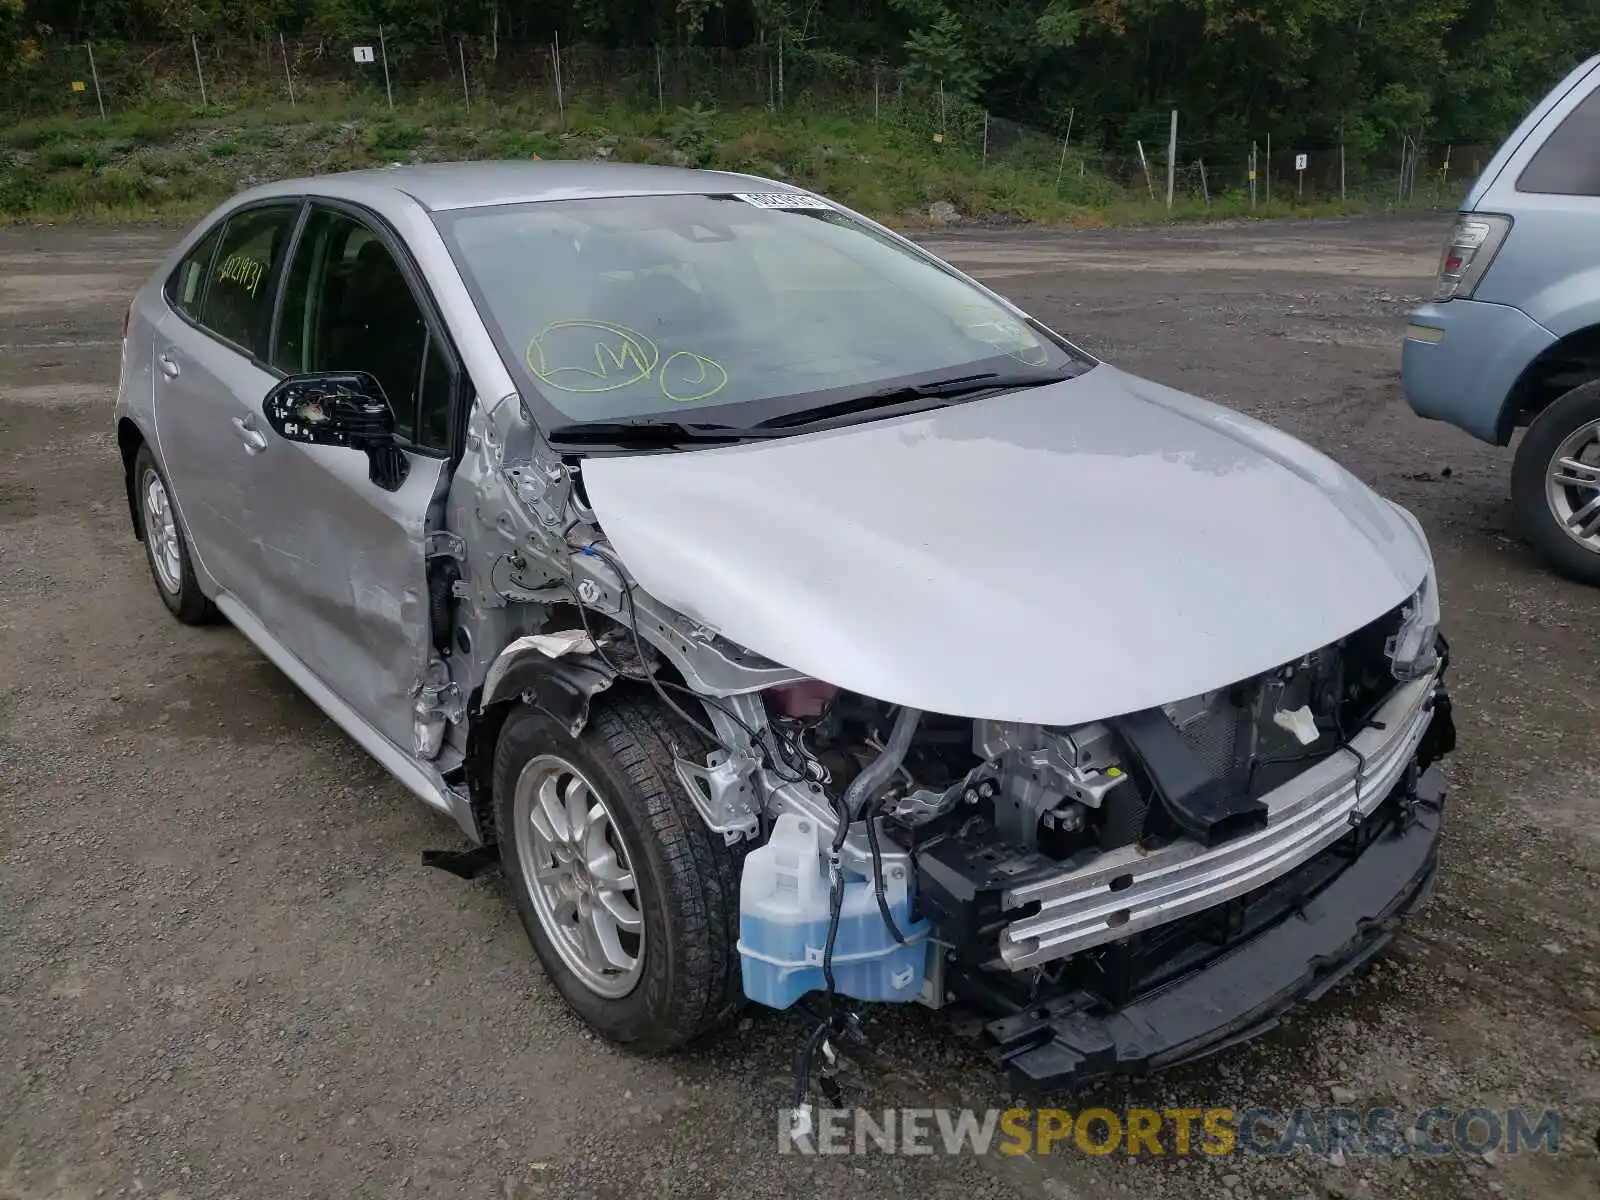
pixel 1467 255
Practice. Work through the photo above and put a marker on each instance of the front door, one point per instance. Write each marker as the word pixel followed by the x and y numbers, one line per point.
pixel 343 581
pixel 210 351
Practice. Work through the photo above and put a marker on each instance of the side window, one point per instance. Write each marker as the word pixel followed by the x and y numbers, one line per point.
pixel 238 298
pixel 186 285
pixel 347 307
pixel 1568 164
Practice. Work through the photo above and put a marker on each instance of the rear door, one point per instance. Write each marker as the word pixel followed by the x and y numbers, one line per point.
pixel 343 579
pixel 210 349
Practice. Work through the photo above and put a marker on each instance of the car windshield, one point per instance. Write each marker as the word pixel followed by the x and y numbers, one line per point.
pixel 726 309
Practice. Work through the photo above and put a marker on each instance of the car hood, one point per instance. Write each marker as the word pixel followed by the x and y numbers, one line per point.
pixel 1054 555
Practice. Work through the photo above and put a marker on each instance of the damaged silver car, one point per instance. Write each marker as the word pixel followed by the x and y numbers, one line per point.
pixel 794 618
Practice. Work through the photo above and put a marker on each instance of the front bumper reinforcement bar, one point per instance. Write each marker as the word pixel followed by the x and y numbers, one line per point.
pixel 1244 992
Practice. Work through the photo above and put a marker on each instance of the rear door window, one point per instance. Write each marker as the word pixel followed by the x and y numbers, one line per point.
pixel 238 296
pixel 1568 164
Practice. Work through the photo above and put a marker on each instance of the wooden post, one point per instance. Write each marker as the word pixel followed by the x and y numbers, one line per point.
pixel 94 74
pixel 555 60
pixel 287 74
pixel 1145 163
pixel 383 49
pixel 1172 157
pixel 1205 188
pixel 194 44
pixel 461 54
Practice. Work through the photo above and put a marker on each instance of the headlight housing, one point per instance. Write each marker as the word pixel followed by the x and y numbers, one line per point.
pixel 1413 650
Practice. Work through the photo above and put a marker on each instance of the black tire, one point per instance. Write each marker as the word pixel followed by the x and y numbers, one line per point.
pixel 1534 518
pixel 687 878
pixel 181 595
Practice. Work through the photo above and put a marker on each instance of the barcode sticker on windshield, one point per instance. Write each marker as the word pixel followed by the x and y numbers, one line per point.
pixel 781 200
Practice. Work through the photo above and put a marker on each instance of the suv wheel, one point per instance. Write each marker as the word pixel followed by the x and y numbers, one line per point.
pixel 165 546
pixel 630 901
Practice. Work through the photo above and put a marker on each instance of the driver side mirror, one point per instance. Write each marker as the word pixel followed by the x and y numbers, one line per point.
pixel 340 408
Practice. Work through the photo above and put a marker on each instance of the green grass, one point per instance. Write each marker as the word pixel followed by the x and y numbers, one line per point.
pixel 173 161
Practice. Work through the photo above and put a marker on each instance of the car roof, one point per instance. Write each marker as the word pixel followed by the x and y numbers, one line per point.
pixel 440 187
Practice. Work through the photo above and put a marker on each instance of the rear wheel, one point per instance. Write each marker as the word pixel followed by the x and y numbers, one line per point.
pixel 1555 484
pixel 165 546
pixel 630 901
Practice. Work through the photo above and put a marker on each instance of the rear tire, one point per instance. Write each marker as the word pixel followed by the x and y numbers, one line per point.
pixel 166 546
pixel 1567 431
pixel 678 977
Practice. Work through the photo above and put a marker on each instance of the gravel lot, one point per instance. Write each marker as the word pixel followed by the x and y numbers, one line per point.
pixel 223 971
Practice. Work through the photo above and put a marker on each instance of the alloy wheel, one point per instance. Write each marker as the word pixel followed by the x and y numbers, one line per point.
pixel 1572 486
pixel 579 875
pixel 161 533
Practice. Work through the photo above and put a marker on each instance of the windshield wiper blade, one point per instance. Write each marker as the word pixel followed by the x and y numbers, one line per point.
pixel 938 389
pixel 649 433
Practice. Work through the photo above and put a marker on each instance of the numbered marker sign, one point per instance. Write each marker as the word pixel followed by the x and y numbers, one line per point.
pixel 363 53
pixel 1300 162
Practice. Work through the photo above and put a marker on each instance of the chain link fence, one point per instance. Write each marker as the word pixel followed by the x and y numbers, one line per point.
pixel 374 73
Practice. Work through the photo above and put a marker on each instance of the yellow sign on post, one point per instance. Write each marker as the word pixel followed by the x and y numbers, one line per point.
pixel 77 85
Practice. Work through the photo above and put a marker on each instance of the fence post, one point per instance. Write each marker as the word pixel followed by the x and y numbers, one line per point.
pixel 383 49
pixel 1145 163
pixel 1172 157
pixel 461 53
pixel 1205 188
pixel 194 44
pixel 555 59
pixel 94 74
pixel 283 49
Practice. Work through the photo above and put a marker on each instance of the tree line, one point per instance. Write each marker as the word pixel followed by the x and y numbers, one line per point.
pixel 1364 72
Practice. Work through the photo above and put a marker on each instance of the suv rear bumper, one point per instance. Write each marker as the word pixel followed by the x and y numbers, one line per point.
pixel 1332 925
pixel 1462 359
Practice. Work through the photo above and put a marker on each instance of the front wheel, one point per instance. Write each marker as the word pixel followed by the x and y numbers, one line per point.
pixel 630 901
pixel 1555 484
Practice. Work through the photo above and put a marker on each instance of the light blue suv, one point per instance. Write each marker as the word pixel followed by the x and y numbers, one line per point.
pixel 1511 337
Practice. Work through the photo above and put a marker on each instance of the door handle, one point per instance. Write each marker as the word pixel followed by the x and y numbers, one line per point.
pixel 169 365
pixel 254 440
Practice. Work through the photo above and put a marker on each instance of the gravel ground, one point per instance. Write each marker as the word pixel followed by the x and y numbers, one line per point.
pixel 223 971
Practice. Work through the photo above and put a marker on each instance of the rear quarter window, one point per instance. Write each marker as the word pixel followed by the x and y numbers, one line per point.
pixel 186 285
pixel 1568 164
